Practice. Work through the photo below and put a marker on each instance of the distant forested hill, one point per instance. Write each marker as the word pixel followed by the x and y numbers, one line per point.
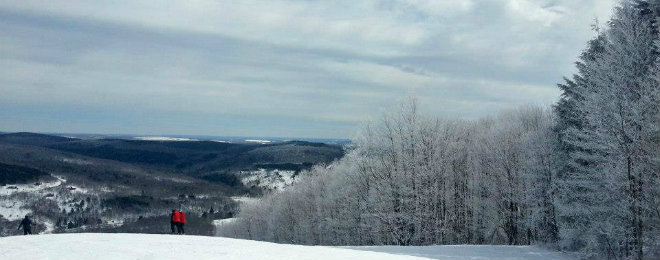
pixel 18 174
pixel 107 185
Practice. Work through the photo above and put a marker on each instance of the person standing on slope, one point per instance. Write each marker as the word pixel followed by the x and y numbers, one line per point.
pixel 182 221
pixel 175 218
pixel 26 223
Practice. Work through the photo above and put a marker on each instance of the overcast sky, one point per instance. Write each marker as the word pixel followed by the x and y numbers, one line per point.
pixel 278 67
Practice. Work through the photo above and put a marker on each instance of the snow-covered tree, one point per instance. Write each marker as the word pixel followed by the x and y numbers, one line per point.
pixel 585 178
pixel 609 119
pixel 414 180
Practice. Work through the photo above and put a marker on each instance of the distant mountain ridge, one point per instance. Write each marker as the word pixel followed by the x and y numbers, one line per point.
pixel 191 156
pixel 173 137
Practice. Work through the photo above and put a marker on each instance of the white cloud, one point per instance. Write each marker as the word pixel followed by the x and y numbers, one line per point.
pixel 381 75
pixel 345 25
pixel 329 63
pixel 535 11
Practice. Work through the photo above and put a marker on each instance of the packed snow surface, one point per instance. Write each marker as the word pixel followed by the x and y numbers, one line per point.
pixel 85 246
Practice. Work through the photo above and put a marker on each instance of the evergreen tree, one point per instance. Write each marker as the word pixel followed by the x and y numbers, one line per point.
pixel 608 126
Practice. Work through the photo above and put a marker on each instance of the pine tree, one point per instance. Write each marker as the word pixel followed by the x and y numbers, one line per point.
pixel 608 117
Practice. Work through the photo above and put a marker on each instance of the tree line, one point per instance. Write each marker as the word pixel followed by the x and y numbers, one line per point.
pixel 583 176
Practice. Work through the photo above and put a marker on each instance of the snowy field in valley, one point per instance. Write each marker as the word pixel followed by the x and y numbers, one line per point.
pixel 163 138
pixel 150 246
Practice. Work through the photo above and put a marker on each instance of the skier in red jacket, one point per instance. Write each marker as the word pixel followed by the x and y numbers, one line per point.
pixel 175 218
pixel 182 221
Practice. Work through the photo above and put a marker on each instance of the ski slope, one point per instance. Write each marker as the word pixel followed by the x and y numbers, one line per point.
pixel 89 246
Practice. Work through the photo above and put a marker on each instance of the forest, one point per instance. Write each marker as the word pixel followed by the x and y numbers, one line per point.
pixel 581 176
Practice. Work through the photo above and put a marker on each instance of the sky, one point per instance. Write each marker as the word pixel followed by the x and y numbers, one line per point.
pixel 280 68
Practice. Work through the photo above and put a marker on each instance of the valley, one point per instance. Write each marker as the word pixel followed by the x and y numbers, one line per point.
pixel 73 184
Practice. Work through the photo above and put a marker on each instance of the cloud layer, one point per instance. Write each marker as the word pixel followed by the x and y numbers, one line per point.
pixel 277 68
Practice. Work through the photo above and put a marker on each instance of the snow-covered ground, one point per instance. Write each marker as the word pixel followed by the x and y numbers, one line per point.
pixel 12 208
pixel 218 224
pixel 85 246
pixel 267 179
pixel 244 199
pixel 30 187
pixel 257 141
pixel 456 252
pixel 16 200
pixel 172 179
pixel 221 222
pixel 162 138
pixel 76 161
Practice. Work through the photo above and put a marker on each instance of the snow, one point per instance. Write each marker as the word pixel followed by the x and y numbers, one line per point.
pixel 257 141
pixel 172 179
pixel 15 200
pixel 30 187
pixel 163 247
pixel 162 138
pixel 244 199
pixel 454 252
pixel 219 223
pixel 77 189
pixel 268 179
pixel 13 210
pixel 49 226
pixel 224 221
pixel 76 161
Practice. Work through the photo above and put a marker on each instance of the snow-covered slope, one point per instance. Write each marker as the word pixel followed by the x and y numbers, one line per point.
pixel 13 208
pixel 150 246
pixel 88 246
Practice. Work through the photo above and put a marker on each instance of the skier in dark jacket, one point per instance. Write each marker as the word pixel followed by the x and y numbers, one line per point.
pixel 26 223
